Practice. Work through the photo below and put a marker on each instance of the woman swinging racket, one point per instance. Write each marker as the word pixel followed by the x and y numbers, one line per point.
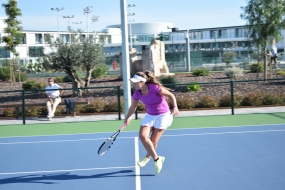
pixel 158 118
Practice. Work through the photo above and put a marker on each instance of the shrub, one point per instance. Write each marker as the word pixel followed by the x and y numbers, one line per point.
pixel 59 110
pixel 23 77
pixel 112 106
pixel 225 101
pixel 201 72
pixel 256 68
pixel 141 107
pixel 233 72
pixel 58 79
pixel 280 73
pixel 185 102
pixel 97 105
pixel 168 81
pixel 273 99
pixel 253 99
pixel 207 102
pixel 5 73
pixel 192 87
pixel 100 71
pixel 66 78
pixel 43 110
pixel 9 112
pixel 32 111
pixel 33 85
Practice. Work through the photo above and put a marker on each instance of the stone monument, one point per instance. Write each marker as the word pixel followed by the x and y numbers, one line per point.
pixel 152 60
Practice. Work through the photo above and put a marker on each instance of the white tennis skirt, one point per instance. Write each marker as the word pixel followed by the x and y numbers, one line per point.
pixel 162 121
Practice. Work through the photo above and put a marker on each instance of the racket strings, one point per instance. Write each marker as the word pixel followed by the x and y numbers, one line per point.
pixel 107 144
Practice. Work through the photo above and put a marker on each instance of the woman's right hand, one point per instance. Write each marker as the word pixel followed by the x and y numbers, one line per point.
pixel 127 121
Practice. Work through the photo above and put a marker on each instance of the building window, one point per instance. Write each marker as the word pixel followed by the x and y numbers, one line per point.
pixel 24 39
pixel 82 37
pixel 47 38
pixel 222 33
pixel 4 53
pixel 36 51
pixel 39 39
pixel 213 34
pixel 195 35
pixel 65 38
pixel 241 32
pixel 109 39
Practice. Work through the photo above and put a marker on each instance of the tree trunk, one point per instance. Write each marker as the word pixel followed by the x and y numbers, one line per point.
pixel 88 77
pixel 76 82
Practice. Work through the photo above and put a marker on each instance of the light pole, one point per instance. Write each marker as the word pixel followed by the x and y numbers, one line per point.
pixel 215 36
pixel 129 15
pixel 57 9
pixel 188 59
pixel 87 10
pixel 68 17
pixel 94 20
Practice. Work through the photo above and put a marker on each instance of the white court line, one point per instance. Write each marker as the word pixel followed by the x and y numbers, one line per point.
pixel 71 170
pixel 138 172
pixel 191 134
pixel 56 141
pixel 224 133
pixel 137 131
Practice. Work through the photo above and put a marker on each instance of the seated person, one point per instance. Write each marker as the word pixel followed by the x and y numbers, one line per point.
pixel 53 97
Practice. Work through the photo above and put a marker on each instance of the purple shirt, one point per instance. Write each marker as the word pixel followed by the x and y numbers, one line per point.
pixel 154 102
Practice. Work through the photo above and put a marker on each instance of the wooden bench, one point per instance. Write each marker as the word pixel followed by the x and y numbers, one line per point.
pixel 18 105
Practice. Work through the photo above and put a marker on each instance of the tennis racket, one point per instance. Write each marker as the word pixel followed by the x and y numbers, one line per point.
pixel 108 143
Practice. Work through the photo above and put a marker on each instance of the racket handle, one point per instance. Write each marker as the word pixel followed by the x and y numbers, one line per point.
pixel 123 126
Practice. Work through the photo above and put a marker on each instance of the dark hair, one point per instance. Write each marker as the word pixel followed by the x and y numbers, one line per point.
pixel 50 79
pixel 150 78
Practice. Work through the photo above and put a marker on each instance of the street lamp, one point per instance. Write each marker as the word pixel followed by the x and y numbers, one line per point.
pixel 57 9
pixel 68 17
pixel 87 10
pixel 129 15
pixel 94 20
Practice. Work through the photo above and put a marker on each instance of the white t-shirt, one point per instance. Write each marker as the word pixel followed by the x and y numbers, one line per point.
pixel 273 51
pixel 53 93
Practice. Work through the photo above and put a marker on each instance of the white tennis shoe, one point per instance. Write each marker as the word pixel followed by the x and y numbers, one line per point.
pixel 158 164
pixel 143 161
pixel 50 115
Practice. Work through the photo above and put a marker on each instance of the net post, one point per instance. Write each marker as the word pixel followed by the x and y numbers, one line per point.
pixel 136 113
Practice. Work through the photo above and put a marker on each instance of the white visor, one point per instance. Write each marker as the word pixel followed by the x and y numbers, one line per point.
pixel 137 78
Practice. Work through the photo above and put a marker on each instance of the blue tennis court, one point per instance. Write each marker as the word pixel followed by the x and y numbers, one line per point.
pixel 221 158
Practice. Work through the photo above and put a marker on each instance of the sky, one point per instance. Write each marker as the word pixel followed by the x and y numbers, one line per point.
pixel 184 14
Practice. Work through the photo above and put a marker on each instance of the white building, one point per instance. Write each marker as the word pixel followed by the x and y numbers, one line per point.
pixel 206 45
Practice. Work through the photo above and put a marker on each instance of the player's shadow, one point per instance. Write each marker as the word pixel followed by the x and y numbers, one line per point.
pixel 51 178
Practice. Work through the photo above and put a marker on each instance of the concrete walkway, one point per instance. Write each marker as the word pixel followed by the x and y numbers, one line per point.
pixel 105 117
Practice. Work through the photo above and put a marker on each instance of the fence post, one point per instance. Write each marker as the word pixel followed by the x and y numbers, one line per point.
pixel 119 102
pixel 23 107
pixel 136 113
pixel 232 97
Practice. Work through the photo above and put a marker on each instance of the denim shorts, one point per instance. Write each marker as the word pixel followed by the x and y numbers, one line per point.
pixel 162 121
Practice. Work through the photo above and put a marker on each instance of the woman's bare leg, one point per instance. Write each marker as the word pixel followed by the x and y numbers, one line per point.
pixel 150 144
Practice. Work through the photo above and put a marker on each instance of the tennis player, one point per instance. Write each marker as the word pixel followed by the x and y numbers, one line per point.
pixel 158 118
